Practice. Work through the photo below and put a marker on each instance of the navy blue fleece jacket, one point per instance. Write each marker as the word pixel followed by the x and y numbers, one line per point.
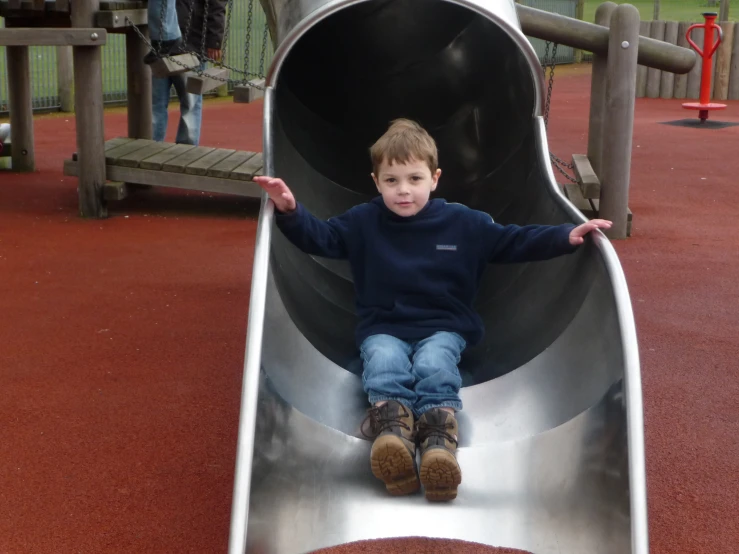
pixel 417 275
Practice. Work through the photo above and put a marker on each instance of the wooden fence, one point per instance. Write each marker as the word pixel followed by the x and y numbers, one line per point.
pixel 653 83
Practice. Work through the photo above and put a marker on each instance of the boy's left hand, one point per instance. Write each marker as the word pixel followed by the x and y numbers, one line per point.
pixel 577 236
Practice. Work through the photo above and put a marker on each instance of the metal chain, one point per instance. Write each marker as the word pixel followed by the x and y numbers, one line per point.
pixel 186 36
pixel 162 15
pixel 247 41
pixel 227 32
pixel 195 70
pixel 264 51
pixel 550 63
pixel 558 163
pixel 205 29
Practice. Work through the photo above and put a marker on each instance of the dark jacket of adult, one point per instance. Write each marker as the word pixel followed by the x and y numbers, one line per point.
pixel 214 27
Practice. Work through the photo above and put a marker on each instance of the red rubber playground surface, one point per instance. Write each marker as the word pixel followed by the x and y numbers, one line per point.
pixel 123 341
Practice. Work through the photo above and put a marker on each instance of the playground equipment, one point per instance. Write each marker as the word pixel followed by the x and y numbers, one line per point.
pixel 552 437
pixel 84 24
pixel 707 52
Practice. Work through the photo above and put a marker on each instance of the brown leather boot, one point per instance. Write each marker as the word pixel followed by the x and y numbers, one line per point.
pixel 393 457
pixel 440 471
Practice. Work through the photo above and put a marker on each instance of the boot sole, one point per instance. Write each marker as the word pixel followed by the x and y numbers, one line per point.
pixel 394 465
pixel 440 475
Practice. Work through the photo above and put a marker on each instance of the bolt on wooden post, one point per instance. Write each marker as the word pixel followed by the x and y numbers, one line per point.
pixel 618 125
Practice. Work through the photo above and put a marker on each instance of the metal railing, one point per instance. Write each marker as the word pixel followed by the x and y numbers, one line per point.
pixel 43 59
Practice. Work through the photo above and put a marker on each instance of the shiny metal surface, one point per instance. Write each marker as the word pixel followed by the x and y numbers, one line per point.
pixel 551 432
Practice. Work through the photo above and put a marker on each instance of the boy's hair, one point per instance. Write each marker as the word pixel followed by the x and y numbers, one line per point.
pixel 404 140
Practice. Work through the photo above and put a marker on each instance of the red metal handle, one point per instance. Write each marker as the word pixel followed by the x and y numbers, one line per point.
pixel 695 46
pixel 690 40
pixel 720 38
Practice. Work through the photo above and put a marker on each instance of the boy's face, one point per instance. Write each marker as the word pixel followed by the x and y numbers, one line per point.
pixel 406 188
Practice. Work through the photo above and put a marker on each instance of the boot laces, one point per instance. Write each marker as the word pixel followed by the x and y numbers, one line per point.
pixel 379 424
pixel 436 430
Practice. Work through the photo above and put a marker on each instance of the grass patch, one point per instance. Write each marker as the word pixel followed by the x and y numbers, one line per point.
pixel 670 10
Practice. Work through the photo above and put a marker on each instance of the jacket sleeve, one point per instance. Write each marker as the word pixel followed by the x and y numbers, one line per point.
pixel 313 236
pixel 216 20
pixel 529 243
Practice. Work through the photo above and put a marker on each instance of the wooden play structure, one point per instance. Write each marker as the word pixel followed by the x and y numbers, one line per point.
pixel 105 169
pixel 599 186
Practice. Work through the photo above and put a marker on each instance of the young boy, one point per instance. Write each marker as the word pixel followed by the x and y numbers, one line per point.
pixel 416 265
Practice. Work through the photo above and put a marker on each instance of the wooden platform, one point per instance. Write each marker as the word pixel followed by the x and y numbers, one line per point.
pixel 146 162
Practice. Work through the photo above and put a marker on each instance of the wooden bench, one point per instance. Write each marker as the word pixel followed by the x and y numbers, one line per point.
pixel 163 164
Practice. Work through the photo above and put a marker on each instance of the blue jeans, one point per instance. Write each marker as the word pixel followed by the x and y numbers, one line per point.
pixel 191 109
pixel 421 375
pixel 167 29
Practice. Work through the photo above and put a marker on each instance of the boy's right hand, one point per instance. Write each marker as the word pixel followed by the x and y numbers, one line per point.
pixel 278 192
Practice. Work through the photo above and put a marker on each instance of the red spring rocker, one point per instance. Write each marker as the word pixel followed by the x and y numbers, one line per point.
pixel 709 49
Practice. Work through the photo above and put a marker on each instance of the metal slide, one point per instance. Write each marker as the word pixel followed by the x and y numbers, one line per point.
pixel 551 433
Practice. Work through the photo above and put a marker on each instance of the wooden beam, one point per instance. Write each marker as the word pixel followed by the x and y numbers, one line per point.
pixel 667 82
pixel 641 70
pixel 586 177
pixel 619 120
pixel 681 81
pixel 694 76
pixel 65 78
pixel 723 62
pixel 598 86
pixel 574 195
pixel 29 36
pixel 244 94
pixel 734 71
pixel 21 108
pixel 654 75
pixel 115 190
pixel 594 38
pixel 212 78
pixel 174 180
pixel 88 102
pixel 110 19
pixel 138 95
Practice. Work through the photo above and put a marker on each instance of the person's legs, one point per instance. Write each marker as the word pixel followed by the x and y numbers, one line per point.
pixel 191 112
pixel 164 29
pixel 159 103
pixel 438 382
pixel 388 382
pixel 436 373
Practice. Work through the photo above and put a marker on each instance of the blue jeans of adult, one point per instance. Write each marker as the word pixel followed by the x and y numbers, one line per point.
pixel 191 109
pixel 163 29
pixel 421 375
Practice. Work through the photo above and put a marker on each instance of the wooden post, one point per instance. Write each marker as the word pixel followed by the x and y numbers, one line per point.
pixel 654 76
pixel 681 81
pixel 579 14
pixel 667 82
pixel 65 78
pixel 619 118
pixel 21 108
pixel 88 100
pixel 723 62
pixel 655 15
pixel 694 75
pixel 723 14
pixel 139 87
pixel 734 72
pixel 598 93
pixel 641 71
